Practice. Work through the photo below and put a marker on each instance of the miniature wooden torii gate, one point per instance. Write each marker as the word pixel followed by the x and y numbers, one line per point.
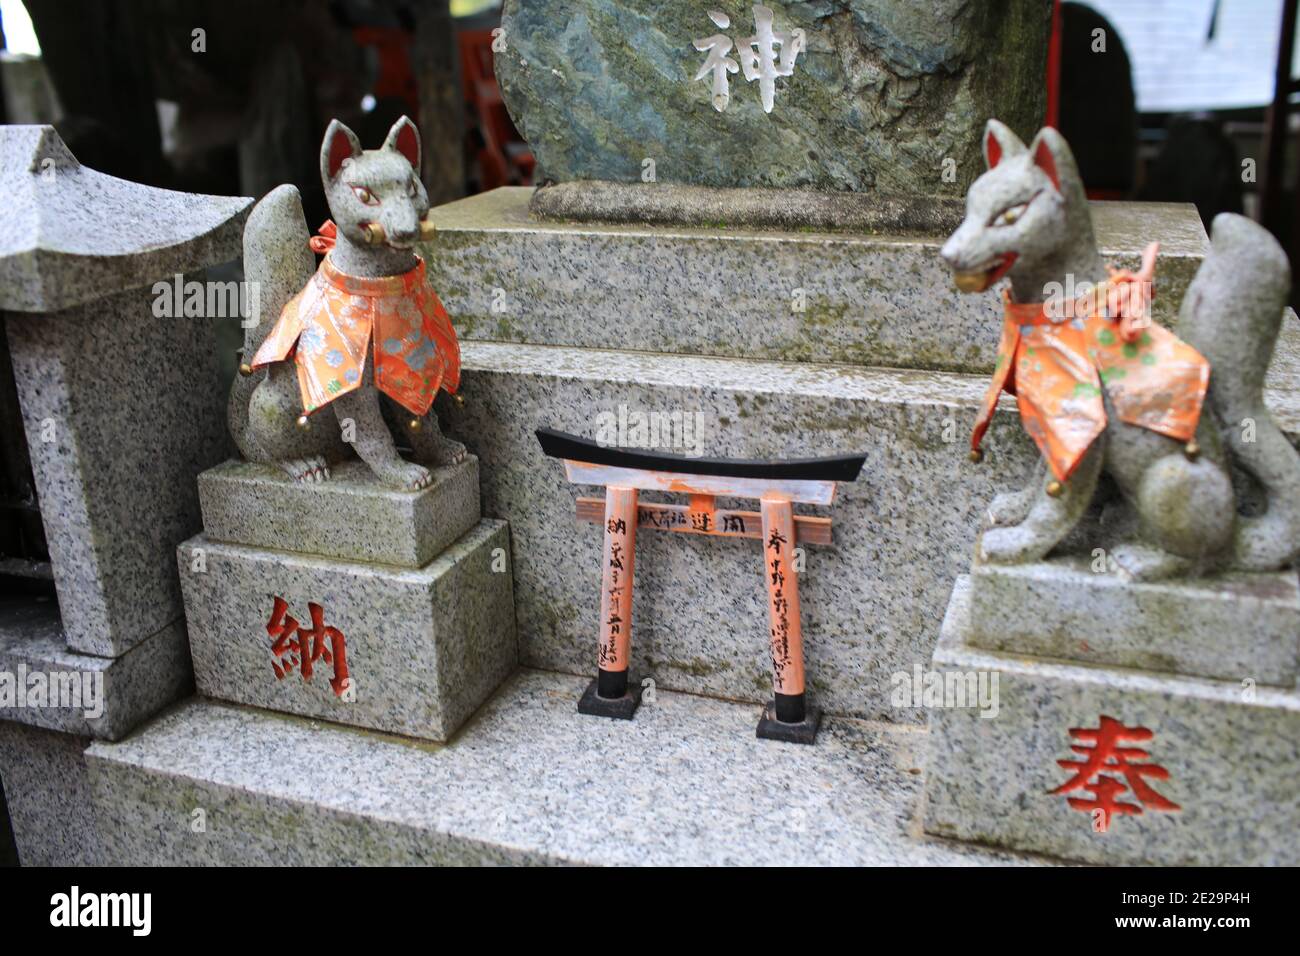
pixel 776 484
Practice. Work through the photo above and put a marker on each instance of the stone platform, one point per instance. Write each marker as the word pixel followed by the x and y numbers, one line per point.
pixel 350 516
pixel 1227 752
pixel 528 780
pixel 424 647
pixel 835 298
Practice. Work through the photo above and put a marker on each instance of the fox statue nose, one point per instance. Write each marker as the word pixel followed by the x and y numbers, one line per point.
pixel 404 233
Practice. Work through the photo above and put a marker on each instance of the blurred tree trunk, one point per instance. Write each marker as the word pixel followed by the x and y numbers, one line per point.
pixel 100 70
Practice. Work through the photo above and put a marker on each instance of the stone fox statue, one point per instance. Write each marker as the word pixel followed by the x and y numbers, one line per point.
pixel 364 322
pixel 1179 424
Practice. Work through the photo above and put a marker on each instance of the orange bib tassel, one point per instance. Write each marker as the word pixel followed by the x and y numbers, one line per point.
pixel 337 320
pixel 1057 367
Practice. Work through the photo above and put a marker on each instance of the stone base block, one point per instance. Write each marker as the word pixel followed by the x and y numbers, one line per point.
pixel 47 788
pixel 1236 627
pixel 350 516
pixel 804 732
pixel 529 780
pixel 618 708
pixel 422 648
pixel 1212 781
pixel 43 684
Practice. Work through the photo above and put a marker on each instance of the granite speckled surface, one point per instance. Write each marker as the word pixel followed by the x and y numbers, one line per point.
pixel 48 789
pixel 350 516
pixel 872 602
pixel 73 235
pixel 122 410
pixel 135 685
pixel 878 300
pixel 884 92
pixel 1230 756
pixel 424 647
pixel 686 782
pixel 1235 627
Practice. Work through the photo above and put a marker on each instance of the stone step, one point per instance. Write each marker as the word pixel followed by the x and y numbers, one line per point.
pixel 876 300
pixel 1226 752
pixel 53 702
pixel 47 786
pixel 44 684
pixel 529 780
pixel 872 602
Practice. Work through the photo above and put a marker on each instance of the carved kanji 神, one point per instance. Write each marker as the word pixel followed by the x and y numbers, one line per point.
pixel 763 57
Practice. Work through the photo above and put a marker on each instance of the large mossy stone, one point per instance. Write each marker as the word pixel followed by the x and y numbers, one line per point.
pixel 887 95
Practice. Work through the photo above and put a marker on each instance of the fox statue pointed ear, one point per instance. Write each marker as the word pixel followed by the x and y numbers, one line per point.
pixel 340 143
pixel 1052 155
pixel 999 143
pixel 405 139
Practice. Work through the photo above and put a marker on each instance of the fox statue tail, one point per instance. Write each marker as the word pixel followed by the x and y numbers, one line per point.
pixel 277 264
pixel 1232 314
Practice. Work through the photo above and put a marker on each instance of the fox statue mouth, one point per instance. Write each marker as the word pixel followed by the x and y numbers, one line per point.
pixel 979 280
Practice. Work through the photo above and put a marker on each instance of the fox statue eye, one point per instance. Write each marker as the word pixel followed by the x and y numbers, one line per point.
pixel 366 196
pixel 1009 215
pixel 411 188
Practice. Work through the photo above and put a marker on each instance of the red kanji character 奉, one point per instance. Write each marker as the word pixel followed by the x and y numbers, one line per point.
pixel 1106 761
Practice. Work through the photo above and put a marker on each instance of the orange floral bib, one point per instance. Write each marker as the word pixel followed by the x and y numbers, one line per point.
pixel 1057 370
pixel 337 319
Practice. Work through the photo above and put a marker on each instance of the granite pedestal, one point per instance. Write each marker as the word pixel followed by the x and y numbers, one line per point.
pixel 1232 627
pixel 1226 753
pixel 349 516
pixel 416 587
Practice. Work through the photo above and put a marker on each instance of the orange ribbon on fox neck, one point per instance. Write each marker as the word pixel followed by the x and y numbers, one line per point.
pixel 1058 365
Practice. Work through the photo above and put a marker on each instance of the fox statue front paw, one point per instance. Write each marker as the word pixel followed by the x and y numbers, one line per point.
pixel 404 475
pixel 434 448
pixel 312 470
pixel 1012 545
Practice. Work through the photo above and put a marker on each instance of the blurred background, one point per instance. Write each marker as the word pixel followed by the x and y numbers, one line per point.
pixel 232 96
pixel 1162 100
